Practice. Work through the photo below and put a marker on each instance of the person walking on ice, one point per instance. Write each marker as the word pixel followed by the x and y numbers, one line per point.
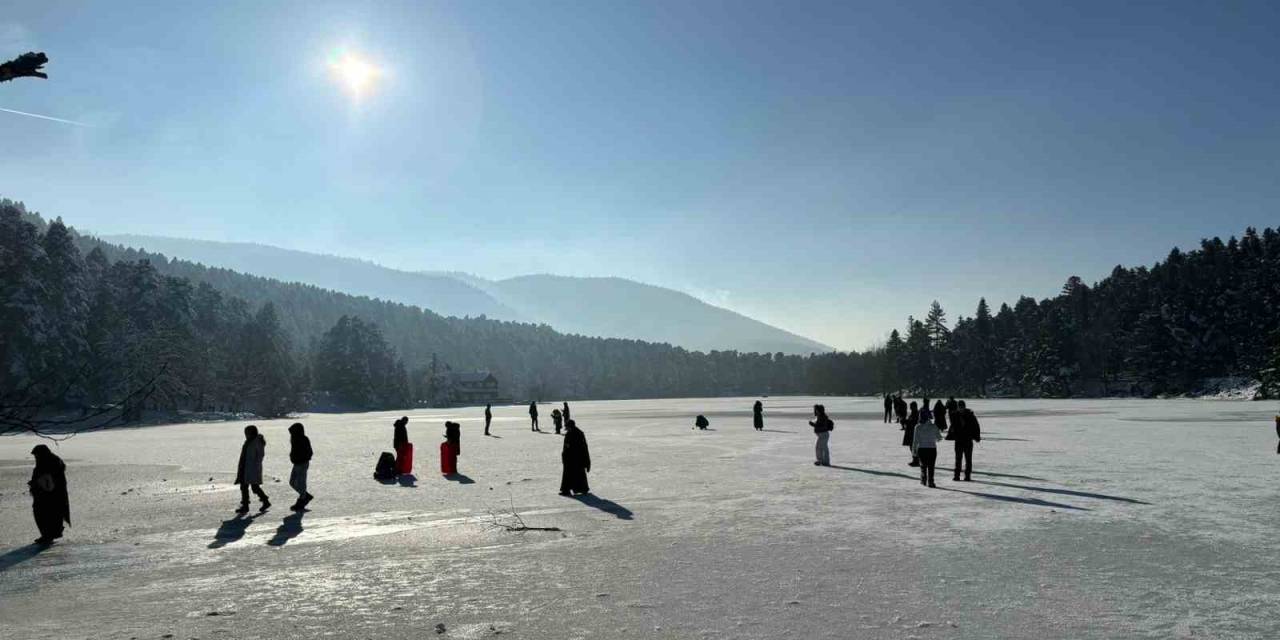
pixel 49 502
pixel 757 415
pixel 822 426
pixel 924 446
pixel 249 470
pixel 300 455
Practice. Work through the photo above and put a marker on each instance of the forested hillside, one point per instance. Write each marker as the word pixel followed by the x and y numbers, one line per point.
pixel 86 321
pixel 1199 314
pixel 600 307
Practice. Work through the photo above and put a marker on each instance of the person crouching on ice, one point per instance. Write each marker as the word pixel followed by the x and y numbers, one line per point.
pixel 576 459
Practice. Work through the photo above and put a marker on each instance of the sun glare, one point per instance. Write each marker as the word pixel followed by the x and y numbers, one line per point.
pixel 356 74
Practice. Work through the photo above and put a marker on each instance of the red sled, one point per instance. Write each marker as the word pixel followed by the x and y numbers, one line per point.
pixel 448 459
pixel 404 459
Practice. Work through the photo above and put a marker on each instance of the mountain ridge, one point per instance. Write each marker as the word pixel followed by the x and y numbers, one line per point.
pixel 604 306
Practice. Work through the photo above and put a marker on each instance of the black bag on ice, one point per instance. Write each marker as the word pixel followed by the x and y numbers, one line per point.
pixel 386 469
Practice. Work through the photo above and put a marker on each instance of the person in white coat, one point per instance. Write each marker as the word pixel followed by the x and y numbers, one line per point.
pixel 249 470
pixel 924 445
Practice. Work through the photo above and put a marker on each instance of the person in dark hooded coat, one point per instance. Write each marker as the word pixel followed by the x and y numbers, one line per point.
pixel 888 408
pixel 300 455
pixel 249 469
pixel 900 409
pixel 49 502
pixel 939 415
pixel 400 436
pixel 757 415
pixel 576 459
pixel 909 432
pixel 557 420
pixel 533 416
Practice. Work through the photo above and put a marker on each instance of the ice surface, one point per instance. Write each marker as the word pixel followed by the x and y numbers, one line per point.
pixel 1087 519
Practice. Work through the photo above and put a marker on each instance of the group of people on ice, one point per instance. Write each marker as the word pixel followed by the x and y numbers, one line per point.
pixel 922 428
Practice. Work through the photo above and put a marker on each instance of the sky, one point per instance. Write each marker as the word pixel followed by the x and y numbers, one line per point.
pixel 829 168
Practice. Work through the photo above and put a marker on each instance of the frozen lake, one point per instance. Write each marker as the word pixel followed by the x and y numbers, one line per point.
pixel 1086 519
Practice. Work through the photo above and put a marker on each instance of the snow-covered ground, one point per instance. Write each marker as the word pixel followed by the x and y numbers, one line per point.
pixel 1086 519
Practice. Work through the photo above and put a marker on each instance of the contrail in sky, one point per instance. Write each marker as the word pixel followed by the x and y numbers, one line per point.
pixel 36 115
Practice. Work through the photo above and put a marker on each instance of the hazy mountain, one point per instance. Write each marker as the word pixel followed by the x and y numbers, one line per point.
pixel 607 307
pixel 443 294
pixel 624 308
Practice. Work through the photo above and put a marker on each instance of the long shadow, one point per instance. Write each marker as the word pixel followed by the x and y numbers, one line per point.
pixel 288 530
pixel 20 555
pixel 460 478
pixel 777 431
pixel 605 505
pixel 1008 439
pixel 1065 492
pixel 877 473
pixel 1031 501
pixel 231 530
pixel 407 480
pixel 1005 475
pixel 490 435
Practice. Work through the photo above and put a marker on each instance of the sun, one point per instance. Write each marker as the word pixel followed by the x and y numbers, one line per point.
pixel 356 74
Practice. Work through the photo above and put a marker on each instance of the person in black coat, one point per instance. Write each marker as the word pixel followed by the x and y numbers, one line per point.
pixel 453 435
pixel 822 427
pixel 533 416
pixel 576 459
pixel 49 502
pixel 757 415
pixel 965 431
pixel 300 455
pixel 888 408
pixel 400 437
pixel 900 408
pixel 565 413
pixel 909 431
pixel 940 415
pixel 488 417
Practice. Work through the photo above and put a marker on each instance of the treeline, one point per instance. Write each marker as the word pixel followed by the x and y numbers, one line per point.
pixel 1201 314
pixel 86 322
pixel 83 323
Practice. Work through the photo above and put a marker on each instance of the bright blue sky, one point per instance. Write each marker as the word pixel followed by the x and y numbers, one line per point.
pixel 829 168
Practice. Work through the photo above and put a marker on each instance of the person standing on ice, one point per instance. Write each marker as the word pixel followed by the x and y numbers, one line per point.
pixel 967 431
pixel 909 432
pixel 565 413
pixel 400 433
pixel 49 503
pixel 924 446
pixel 888 408
pixel 939 415
pixel 249 470
pixel 300 455
pixel 822 426
pixel 757 415
pixel 900 408
pixel 488 417
pixel 576 459
pixel 557 419
pixel 533 416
